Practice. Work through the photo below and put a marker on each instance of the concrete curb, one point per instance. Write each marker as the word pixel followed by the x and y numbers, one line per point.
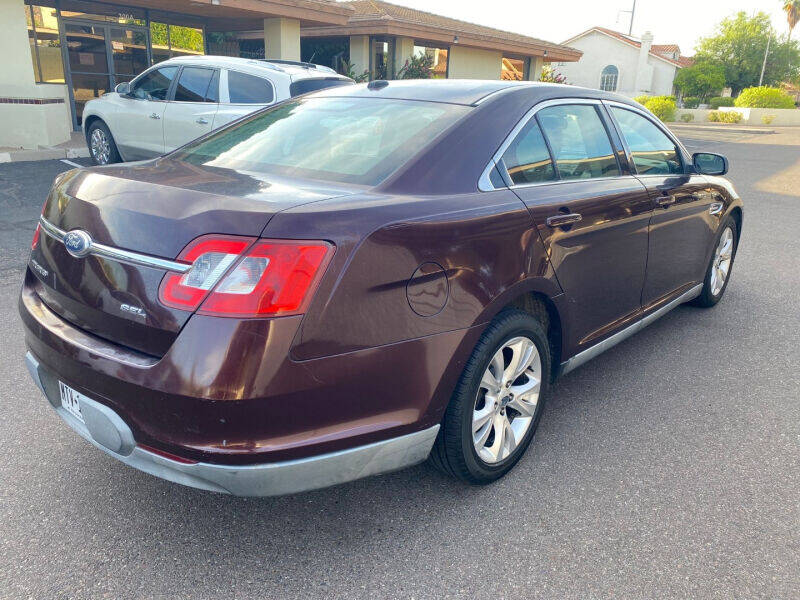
pixel 733 128
pixel 44 153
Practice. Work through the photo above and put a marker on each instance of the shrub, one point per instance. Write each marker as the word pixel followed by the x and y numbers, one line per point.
pixel 715 103
pixel 691 102
pixel 687 117
pixel 662 106
pixel 764 97
pixel 724 116
pixel 767 119
pixel 641 99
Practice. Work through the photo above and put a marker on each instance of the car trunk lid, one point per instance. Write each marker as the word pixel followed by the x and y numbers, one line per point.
pixel 153 209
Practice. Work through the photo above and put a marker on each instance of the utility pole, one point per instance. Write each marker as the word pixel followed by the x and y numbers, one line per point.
pixel 632 11
pixel 764 64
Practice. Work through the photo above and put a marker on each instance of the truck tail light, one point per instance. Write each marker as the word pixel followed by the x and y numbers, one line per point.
pixel 243 277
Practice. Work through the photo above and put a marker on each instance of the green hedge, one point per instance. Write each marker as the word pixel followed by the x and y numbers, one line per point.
pixel 724 116
pixel 663 107
pixel 720 101
pixel 764 97
pixel 691 102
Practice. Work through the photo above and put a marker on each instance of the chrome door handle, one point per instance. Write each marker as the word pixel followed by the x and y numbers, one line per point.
pixel 155 116
pixel 665 201
pixel 563 219
pixel 201 121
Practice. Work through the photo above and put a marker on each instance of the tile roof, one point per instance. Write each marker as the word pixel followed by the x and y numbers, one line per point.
pixel 379 15
pixel 662 51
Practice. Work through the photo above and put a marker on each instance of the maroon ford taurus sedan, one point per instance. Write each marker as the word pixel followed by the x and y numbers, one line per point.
pixel 358 279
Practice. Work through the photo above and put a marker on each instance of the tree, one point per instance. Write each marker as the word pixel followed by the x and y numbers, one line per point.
pixel 792 10
pixel 550 75
pixel 739 46
pixel 419 66
pixel 702 79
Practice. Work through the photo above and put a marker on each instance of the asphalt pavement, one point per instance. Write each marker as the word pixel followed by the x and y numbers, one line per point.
pixel 668 467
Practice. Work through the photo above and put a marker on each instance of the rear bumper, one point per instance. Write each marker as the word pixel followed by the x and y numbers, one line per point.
pixel 106 430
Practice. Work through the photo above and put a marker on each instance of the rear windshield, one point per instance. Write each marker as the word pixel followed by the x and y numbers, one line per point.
pixel 347 140
pixel 303 86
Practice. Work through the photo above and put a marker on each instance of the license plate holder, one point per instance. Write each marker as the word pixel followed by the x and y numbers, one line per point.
pixel 71 401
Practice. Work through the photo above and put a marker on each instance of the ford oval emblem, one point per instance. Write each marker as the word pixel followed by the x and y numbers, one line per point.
pixel 78 243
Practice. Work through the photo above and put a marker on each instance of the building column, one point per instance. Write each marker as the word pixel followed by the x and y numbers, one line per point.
pixel 535 68
pixel 282 38
pixel 403 50
pixel 359 53
pixel 31 115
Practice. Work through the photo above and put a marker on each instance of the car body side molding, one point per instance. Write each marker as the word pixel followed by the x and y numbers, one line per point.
pixel 590 353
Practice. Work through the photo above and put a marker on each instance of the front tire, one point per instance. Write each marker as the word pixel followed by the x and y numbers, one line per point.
pixel 102 147
pixel 497 404
pixel 719 269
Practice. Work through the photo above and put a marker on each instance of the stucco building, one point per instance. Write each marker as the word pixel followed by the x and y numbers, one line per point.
pixel 616 62
pixel 58 54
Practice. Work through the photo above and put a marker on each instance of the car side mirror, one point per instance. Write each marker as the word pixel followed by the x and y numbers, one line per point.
pixel 123 89
pixel 707 163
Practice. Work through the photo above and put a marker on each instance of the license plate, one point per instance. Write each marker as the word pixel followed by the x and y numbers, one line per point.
pixel 71 400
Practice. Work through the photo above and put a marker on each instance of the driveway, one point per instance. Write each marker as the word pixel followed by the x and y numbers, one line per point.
pixel 667 467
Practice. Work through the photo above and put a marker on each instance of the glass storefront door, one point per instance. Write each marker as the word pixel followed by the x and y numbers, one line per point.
pixel 99 56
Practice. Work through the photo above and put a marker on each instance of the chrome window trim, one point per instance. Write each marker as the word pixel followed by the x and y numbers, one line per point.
pixel 485 184
pixel 117 254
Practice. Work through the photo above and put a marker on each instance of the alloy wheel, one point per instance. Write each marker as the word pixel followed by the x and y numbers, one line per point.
pixel 100 146
pixel 507 398
pixel 721 264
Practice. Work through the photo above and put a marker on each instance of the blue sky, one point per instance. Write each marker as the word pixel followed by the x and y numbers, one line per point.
pixel 675 21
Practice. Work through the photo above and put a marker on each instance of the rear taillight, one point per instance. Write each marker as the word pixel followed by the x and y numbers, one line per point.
pixel 243 277
pixel 35 240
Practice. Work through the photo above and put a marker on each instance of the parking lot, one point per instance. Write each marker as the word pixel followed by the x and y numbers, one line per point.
pixel 667 467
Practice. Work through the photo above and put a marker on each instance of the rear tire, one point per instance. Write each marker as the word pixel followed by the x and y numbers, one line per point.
pixel 102 147
pixel 512 406
pixel 720 267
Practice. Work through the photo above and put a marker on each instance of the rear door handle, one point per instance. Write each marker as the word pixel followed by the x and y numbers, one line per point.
pixel 201 121
pixel 154 116
pixel 665 201
pixel 562 220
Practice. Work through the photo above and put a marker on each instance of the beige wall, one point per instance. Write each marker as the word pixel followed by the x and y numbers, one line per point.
pixel 403 49
pixel 26 125
pixel 537 62
pixel 472 63
pixel 359 53
pixel 282 38
pixel 782 117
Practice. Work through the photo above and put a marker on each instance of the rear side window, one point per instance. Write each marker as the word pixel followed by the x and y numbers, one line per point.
pixel 155 84
pixel 249 89
pixel 305 86
pixel 527 158
pixel 579 141
pixel 652 151
pixel 193 85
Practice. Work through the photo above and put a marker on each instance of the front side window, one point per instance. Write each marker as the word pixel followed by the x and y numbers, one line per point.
pixel 349 140
pixel 609 77
pixel 155 84
pixel 652 151
pixel 249 89
pixel 579 141
pixel 527 159
pixel 193 85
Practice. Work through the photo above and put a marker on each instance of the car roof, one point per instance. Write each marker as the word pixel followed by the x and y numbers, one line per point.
pixel 466 91
pixel 294 70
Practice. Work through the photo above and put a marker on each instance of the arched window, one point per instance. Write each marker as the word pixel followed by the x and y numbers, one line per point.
pixel 608 78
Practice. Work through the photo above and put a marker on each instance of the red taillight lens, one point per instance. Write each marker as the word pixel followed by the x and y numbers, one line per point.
pixel 265 278
pixel 35 240
pixel 211 257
